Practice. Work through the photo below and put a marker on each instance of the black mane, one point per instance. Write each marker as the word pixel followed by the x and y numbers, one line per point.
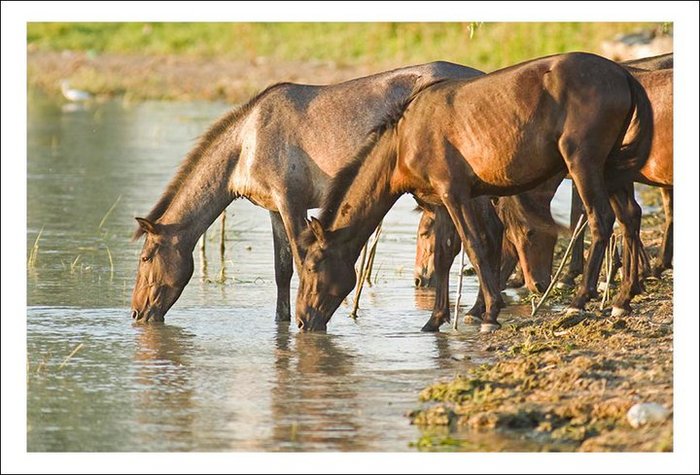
pixel 341 183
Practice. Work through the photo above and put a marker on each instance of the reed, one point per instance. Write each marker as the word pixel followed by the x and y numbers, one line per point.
pixel 109 211
pixel 34 253
pixel 580 226
pixel 72 353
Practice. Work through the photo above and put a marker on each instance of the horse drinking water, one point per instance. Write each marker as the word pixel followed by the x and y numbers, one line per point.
pixel 279 151
pixel 499 134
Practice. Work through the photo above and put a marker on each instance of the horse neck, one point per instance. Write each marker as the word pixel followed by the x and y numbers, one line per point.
pixel 205 192
pixel 368 199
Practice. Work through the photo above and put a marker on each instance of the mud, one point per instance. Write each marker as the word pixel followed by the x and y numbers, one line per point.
pixel 568 381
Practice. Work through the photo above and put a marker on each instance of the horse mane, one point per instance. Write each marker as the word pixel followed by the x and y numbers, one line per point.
pixel 341 182
pixel 527 210
pixel 195 155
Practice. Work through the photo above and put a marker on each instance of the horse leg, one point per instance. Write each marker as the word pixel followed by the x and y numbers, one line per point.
pixel 629 213
pixel 476 242
pixel 589 182
pixel 447 246
pixel 283 267
pixel 667 246
pixel 576 263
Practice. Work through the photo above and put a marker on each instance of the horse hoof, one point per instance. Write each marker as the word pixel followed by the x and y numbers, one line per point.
pixel 489 327
pixel 430 327
pixel 472 319
pixel 571 311
pixel 619 312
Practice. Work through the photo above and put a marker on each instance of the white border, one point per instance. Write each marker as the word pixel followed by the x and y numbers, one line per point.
pixel 13 189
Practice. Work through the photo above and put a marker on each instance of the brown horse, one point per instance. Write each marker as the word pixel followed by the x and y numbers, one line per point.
pixel 527 226
pixel 656 75
pixel 499 134
pixel 529 231
pixel 280 151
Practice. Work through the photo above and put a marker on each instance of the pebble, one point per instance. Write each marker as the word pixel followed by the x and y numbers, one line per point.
pixel 646 413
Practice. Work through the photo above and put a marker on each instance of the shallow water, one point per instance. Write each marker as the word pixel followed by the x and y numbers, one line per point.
pixel 220 374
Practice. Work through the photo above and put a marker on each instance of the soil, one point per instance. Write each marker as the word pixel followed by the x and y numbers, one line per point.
pixel 569 381
pixel 178 77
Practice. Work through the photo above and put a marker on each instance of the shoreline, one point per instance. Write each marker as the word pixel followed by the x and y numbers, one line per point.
pixel 177 77
pixel 568 381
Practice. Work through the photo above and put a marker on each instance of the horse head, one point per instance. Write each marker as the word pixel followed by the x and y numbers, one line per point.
pixel 326 277
pixel 165 267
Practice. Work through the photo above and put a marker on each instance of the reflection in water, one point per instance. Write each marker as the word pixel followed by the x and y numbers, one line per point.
pixel 163 376
pixel 314 400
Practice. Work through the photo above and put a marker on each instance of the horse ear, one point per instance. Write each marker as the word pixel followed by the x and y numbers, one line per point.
pixel 147 226
pixel 317 229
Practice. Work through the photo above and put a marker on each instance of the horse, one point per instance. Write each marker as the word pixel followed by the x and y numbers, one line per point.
pixel 498 134
pixel 527 226
pixel 656 75
pixel 529 230
pixel 279 151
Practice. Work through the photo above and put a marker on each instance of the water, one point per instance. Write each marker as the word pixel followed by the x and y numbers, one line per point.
pixel 220 374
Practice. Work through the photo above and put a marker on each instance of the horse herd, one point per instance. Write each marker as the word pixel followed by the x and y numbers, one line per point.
pixel 482 154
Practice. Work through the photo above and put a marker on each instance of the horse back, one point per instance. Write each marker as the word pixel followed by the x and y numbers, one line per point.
pixel 658 170
pixel 497 124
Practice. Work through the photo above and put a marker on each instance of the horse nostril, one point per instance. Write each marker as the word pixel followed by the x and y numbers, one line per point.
pixel 134 314
pixel 417 281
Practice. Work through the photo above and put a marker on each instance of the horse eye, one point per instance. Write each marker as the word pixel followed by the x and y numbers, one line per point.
pixel 146 258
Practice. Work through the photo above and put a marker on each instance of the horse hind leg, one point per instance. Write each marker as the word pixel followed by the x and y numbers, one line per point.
pixel 587 174
pixel 283 267
pixel 629 213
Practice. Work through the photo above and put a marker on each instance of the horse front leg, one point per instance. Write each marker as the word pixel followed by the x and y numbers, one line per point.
pixel 589 182
pixel 576 264
pixel 477 242
pixel 283 266
pixel 508 262
pixel 667 246
pixel 447 246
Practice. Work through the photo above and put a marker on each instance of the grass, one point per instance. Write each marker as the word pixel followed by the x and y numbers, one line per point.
pixel 483 45
pixel 34 253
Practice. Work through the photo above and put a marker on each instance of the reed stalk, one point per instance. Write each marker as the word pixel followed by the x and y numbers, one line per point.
pixel 459 288
pixel 580 226
pixel 34 253
pixel 109 211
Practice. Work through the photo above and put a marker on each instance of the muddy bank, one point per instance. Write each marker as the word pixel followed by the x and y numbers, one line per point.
pixel 568 382
pixel 178 77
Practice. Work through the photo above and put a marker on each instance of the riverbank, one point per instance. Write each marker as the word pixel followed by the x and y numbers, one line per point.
pixel 232 61
pixel 568 382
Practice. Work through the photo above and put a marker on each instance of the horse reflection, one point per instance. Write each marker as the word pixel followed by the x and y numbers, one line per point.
pixel 164 379
pixel 315 398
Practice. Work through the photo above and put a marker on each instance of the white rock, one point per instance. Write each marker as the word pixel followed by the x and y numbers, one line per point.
pixel 646 413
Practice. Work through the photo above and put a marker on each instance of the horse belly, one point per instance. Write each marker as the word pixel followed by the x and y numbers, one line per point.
pixel 509 164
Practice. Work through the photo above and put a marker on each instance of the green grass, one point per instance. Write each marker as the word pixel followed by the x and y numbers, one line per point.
pixel 491 46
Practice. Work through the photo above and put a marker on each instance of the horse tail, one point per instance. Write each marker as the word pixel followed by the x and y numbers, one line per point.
pixel 635 139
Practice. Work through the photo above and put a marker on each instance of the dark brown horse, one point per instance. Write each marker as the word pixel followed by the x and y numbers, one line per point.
pixel 279 151
pixel 529 231
pixel 499 134
pixel 656 75
pixel 527 226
